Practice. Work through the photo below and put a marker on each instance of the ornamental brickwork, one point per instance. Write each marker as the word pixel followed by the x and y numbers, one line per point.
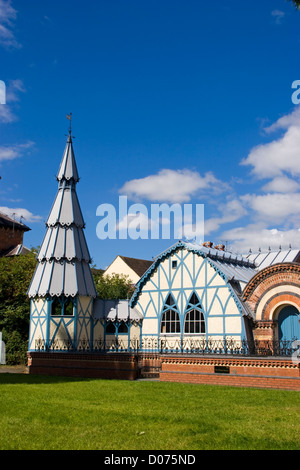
pixel 267 292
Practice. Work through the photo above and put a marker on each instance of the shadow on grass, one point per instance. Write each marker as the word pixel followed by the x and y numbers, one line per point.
pixel 31 379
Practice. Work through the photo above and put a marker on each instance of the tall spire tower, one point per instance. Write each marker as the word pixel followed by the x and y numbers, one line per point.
pixel 62 288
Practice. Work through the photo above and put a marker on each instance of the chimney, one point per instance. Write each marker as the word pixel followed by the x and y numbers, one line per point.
pixel 207 244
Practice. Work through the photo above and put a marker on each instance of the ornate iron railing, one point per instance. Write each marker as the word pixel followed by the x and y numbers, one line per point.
pixel 83 345
pixel 173 345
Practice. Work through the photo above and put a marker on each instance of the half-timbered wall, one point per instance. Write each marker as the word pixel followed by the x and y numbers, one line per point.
pixel 182 273
pixel 59 331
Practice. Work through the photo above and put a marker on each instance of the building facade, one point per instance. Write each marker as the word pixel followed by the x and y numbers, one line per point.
pixel 195 300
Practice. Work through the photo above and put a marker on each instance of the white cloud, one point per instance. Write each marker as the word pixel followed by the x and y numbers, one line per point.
pixel 6 114
pixel 14 151
pixel 276 207
pixel 21 214
pixel 7 16
pixel 231 211
pixel 255 236
pixel 278 15
pixel 280 155
pixel 282 184
pixel 13 89
pixel 171 186
pixel 286 121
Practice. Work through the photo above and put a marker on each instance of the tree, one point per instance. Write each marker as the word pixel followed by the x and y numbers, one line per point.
pixel 15 277
pixel 116 286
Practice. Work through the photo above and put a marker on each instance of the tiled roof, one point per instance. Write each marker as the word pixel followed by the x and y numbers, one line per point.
pixel 8 222
pixel 139 266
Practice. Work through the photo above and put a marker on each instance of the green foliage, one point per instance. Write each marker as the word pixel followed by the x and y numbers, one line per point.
pixel 15 277
pixel 296 3
pixel 116 286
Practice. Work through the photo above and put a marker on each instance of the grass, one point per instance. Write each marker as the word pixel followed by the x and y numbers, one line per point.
pixel 45 413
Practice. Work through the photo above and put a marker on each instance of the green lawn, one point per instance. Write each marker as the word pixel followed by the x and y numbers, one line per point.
pixel 46 413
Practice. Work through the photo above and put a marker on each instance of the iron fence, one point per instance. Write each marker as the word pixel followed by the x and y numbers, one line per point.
pixel 165 345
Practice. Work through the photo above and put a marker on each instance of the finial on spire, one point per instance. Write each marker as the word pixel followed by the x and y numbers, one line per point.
pixel 69 116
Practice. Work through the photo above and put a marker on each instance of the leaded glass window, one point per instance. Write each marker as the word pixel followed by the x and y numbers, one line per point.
pixel 170 322
pixel 194 319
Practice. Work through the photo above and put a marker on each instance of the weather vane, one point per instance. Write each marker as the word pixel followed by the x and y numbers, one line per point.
pixel 69 116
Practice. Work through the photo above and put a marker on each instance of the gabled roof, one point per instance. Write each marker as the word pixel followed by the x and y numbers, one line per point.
pixel 8 222
pixel 231 267
pixel 139 266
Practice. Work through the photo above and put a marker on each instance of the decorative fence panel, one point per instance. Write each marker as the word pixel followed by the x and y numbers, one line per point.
pixel 175 346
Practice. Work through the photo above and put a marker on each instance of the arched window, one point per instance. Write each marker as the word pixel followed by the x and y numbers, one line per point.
pixel 110 328
pixel 62 306
pixel 194 318
pixel 123 328
pixel 56 308
pixel 170 322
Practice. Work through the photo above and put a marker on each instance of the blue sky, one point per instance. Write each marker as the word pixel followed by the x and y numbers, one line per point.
pixel 172 101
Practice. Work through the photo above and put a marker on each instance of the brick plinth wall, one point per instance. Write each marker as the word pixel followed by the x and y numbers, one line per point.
pixel 105 366
pixel 242 372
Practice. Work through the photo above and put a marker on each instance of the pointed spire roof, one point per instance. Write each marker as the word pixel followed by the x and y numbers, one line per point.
pixel 63 260
pixel 68 168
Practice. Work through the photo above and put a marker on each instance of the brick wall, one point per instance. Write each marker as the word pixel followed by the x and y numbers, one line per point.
pixel 241 372
pixel 10 238
pixel 105 366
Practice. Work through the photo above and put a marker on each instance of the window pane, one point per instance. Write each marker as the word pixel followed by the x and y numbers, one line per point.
pixel 56 307
pixel 170 322
pixel 123 328
pixel 68 308
pixel 194 322
pixel 170 300
pixel 110 328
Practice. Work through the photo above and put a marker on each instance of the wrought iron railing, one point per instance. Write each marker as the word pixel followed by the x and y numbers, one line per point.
pixel 83 345
pixel 165 345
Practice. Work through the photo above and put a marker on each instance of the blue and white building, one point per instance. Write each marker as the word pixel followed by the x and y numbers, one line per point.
pixel 190 297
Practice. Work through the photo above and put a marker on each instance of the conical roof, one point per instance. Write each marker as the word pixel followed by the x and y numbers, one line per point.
pixel 63 260
pixel 68 168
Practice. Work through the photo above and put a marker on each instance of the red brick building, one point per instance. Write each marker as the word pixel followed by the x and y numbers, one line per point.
pixel 11 236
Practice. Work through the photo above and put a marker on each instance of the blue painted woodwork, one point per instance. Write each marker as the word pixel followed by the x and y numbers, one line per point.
pixel 289 323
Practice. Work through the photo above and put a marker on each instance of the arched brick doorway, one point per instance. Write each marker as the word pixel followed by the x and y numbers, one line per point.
pixel 271 291
pixel 288 321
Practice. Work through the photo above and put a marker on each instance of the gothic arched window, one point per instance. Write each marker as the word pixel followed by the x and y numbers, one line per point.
pixel 170 322
pixel 123 328
pixel 194 319
pixel 110 328
pixel 62 306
